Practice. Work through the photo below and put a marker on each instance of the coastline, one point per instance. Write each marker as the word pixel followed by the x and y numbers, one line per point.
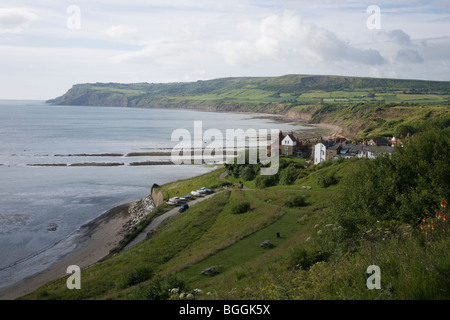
pixel 102 234
pixel 94 243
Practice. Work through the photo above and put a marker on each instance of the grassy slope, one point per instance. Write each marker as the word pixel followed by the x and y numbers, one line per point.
pixel 209 234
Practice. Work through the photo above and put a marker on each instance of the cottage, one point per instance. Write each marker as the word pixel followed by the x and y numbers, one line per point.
pixel 379 142
pixel 350 150
pixel 333 151
pixel 289 145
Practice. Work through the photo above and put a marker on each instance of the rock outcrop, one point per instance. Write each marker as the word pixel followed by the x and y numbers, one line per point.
pixel 139 210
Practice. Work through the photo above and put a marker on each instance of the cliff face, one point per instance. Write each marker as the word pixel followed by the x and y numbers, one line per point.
pixel 84 95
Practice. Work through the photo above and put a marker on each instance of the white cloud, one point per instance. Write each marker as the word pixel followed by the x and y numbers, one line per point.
pixel 123 32
pixel 286 36
pixel 14 20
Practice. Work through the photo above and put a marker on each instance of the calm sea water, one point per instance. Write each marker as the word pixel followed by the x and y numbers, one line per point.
pixel 36 199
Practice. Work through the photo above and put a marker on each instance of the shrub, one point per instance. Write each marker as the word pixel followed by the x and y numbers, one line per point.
pixel 288 175
pixel 304 259
pixel 247 173
pixel 159 288
pixel 239 208
pixel 327 180
pixel 138 275
pixel 297 200
pixel 262 182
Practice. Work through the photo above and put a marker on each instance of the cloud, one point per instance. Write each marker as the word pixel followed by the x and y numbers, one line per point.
pixel 14 20
pixel 286 36
pixel 408 56
pixel 400 37
pixel 123 32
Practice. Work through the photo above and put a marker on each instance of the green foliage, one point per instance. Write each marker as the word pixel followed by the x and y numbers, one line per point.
pixel 304 258
pixel 247 172
pixel 404 187
pixel 262 182
pixel 327 180
pixel 296 200
pixel 158 288
pixel 403 130
pixel 138 275
pixel 239 208
pixel 288 175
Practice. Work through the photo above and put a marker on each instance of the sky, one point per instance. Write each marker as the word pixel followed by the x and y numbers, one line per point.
pixel 47 46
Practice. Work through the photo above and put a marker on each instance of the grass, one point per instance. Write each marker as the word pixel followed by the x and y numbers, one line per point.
pixel 182 187
pixel 210 234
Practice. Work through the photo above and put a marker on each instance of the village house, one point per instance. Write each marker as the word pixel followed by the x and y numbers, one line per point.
pixel 331 150
pixel 379 142
pixel 320 153
pixel 289 145
pixel 371 152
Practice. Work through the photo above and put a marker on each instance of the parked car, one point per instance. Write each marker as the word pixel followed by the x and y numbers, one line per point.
pixel 183 208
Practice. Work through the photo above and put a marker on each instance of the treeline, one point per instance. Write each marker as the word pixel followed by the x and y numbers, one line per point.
pixel 402 189
pixel 290 169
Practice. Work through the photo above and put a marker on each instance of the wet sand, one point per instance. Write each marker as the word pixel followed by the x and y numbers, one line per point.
pixel 95 242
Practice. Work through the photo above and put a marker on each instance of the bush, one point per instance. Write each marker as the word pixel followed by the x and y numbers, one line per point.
pixel 304 259
pixel 138 275
pixel 327 180
pixel 239 208
pixel 288 175
pixel 262 182
pixel 405 187
pixel 158 288
pixel 297 200
pixel 247 173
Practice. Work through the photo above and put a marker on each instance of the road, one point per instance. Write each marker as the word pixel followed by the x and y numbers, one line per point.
pixel 157 221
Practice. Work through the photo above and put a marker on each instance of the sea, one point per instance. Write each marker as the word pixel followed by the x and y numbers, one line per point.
pixel 57 172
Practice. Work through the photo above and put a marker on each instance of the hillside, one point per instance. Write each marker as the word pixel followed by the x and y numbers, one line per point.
pixel 361 106
pixel 323 236
pixel 263 94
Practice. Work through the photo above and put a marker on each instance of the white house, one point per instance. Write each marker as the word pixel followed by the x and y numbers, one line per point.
pixel 288 145
pixel 320 153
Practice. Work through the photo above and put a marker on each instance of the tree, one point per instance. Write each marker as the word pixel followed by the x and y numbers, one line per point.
pixel 247 172
pixel 266 181
pixel 403 130
pixel 288 175
pixel 403 188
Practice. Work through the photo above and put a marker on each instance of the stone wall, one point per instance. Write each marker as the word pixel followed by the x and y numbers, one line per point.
pixel 139 210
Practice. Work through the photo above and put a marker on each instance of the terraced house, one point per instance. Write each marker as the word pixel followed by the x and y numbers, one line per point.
pixel 327 150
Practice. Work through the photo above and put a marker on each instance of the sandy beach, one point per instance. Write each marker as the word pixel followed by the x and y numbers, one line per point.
pixel 96 240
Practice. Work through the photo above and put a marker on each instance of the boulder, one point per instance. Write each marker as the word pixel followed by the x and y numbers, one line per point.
pixel 210 271
pixel 266 244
